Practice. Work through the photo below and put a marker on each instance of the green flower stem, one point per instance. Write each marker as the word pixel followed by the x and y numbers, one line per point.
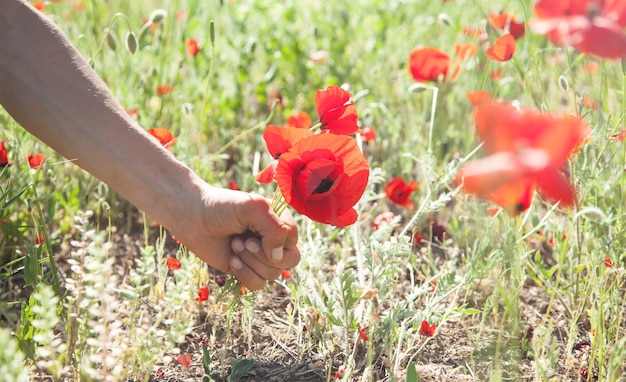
pixel 259 125
pixel 316 126
pixel 278 203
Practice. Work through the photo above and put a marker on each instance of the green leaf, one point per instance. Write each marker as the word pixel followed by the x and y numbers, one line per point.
pixel 411 373
pixel 240 368
pixel 206 360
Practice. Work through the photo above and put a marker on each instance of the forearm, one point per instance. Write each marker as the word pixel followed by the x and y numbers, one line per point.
pixel 53 93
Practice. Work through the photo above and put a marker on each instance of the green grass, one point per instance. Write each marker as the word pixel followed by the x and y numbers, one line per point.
pixel 105 317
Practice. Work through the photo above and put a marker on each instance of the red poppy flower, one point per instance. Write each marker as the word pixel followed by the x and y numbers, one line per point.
pixel 471 31
pixel 466 50
pixel 589 103
pixel 478 97
pixel 278 141
pixel 38 5
pixel 285 274
pixel 362 333
pixel 506 22
pixel 608 262
pixel 591 26
pixel 4 155
pixel 528 149
pixel 418 239
pixel 232 185
pixel 427 330
pixel 191 47
pixel 381 218
pixel 134 113
pixel 399 192
pixel 184 360
pixel 323 176
pixel 429 64
pixel 164 89
pixel 496 74
pixel 203 294
pixel 164 136
pixel 39 239
pixel 591 67
pixel 336 110
pixel 368 134
pixel 502 49
pixel 35 161
pixel 173 264
pixel 300 120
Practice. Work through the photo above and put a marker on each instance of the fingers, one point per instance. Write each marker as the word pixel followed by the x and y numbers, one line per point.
pixel 277 233
pixel 247 264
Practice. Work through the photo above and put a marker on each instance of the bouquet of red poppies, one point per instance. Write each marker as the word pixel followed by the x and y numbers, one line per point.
pixel 320 171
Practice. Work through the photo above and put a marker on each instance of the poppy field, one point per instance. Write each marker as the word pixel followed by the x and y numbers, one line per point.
pixel 457 170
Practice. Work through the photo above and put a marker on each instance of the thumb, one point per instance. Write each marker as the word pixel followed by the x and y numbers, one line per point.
pixel 277 233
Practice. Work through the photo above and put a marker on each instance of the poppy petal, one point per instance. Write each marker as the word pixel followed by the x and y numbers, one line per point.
pixel 502 49
pixel 323 176
pixel 428 64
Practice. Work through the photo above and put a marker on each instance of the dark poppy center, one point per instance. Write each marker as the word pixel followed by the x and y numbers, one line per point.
pixel 324 186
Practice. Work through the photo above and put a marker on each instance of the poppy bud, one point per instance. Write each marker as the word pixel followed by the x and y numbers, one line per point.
pixel 131 42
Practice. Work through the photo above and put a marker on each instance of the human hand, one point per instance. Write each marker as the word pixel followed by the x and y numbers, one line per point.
pixel 237 232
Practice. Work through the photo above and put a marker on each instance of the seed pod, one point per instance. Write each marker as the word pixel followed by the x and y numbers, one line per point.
pixel 563 83
pixel 157 16
pixel 131 42
pixel 111 39
pixel 444 19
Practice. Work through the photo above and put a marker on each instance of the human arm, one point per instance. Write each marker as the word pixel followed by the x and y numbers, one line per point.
pixel 51 91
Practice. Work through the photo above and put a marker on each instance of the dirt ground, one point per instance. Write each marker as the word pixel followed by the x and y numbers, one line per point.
pixel 459 351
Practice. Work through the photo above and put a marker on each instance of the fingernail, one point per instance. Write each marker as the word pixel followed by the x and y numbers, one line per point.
pixel 277 254
pixel 236 263
pixel 238 245
pixel 252 246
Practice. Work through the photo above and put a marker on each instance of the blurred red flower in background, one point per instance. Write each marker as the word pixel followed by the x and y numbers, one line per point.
pixel 502 49
pixel 336 110
pixel 184 360
pixel 507 22
pixel 427 329
pixel 368 134
pixel 362 333
pixel 173 264
pixel 232 185
pixel 164 89
pixel 203 294
pixel 465 51
pixel 323 176
pixel 591 26
pixel 4 155
pixel 399 191
pixel 164 136
pixel 35 161
pixel 381 218
pixel 300 120
pixel 431 64
pixel 528 149
pixel 191 47
pixel 478 97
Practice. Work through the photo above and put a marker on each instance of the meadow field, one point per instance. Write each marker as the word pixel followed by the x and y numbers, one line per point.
pixel 490 242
